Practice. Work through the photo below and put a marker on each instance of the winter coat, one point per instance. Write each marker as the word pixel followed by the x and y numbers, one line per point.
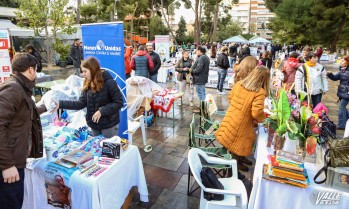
pixel 180 65
pixel 200 70
pixel 223 61
pixel 343 77
pixel 213 51
pixel 233 50
pixel 290 68
pixel 315 77
pixel 157 63
pixel 38 58
pixel 75 54
pixel 108 101
pixel 20 126
pixel 127 60
pixel 142 64
pixel 235 132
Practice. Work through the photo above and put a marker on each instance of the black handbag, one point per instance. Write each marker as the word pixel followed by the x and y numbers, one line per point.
pixel 338 154
pixel 210 180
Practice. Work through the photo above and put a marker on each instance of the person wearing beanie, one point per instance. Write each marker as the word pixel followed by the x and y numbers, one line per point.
pixel 343 90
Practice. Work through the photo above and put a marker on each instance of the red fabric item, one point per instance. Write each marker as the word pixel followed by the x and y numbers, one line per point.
pixel 143 53
pixel 127 60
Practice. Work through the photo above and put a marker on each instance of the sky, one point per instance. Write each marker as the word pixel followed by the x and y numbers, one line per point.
pixel 188 14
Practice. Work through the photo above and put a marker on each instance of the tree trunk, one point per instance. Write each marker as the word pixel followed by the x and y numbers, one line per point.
pixel 78 12
pixel 196 25
pixel 133 14
pixel 215 21
pixel 48 48
pixel 199 20
pixel 339 31
pixel 168 24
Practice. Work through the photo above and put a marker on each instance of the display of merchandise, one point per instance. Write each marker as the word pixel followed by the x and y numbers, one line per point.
pixel 288 168
pixel 111 150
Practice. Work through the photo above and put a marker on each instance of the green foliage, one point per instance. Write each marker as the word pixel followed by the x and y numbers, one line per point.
pixel 157 27
pixel 88 13
pixel 182 29
pixel 229 30
pixel 61 49
pixel 314 22
pixel 284 112
pixel 272 4
pixel 247 36
pixel 9 3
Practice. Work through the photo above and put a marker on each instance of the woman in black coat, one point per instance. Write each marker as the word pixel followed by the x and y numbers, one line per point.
pixel 343 90
pixel 102 98
pixel 31 50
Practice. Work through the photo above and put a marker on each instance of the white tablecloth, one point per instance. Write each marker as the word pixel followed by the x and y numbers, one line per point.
pixel 108 190
pixel 162 73
pixel 270 195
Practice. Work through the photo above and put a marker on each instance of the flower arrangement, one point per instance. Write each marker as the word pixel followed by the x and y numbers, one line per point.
pixel 291 116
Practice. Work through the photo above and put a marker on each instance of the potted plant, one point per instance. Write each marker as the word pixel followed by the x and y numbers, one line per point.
pixel 63 51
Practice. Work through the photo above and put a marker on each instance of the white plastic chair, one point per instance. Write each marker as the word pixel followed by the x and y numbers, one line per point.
pixel 235 195
pixel 134 125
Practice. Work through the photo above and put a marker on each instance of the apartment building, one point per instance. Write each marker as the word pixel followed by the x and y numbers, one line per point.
pixel 241 13
pixel 260 17
pixel 254 16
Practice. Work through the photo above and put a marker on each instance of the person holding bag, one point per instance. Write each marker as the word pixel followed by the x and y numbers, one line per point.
pixel 182 67
pixel 343 90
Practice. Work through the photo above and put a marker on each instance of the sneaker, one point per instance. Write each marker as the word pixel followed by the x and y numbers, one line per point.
pixel 179 104
pixel 191 104
pixel 218 91
pixel 222 92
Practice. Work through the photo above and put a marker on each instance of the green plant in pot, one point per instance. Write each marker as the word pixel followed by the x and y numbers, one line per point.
pixel 63 51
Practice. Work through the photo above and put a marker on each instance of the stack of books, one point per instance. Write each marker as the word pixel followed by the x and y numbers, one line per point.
pixel 288 168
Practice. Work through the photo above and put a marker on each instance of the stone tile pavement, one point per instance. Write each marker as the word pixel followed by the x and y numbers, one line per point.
pixel 166 167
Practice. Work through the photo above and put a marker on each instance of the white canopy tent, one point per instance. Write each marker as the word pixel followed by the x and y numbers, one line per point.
pixel 14 30
pixel 236 39
pixel 258 40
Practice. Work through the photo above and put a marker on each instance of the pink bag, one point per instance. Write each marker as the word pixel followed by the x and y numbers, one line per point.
pixel 319 108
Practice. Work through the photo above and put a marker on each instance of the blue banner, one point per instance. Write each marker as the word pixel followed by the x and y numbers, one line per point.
pixel 105 41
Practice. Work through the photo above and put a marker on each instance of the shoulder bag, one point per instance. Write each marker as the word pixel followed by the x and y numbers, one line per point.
pixel 338 154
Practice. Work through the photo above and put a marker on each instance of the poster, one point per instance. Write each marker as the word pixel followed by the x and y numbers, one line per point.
pixel 56 184
pixel 105 41
pixel 5 63
pixel 162 47
pixel 213 78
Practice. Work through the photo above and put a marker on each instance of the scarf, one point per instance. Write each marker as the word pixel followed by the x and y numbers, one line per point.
pixel 310 64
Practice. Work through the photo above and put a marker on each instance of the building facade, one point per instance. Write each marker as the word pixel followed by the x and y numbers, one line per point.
pixel 254 16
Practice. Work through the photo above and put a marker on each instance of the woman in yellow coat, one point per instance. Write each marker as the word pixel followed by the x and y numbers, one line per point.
pixel 246 106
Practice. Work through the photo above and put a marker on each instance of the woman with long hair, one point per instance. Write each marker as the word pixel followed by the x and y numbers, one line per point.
pixel 246 106
pixel 102 98
pixel 244 68
pixel 343 91
pixel 182 67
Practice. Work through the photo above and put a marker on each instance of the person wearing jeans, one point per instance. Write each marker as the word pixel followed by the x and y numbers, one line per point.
pixel 200 72
pixel 343 90
pixel 182 67
pixel 223 65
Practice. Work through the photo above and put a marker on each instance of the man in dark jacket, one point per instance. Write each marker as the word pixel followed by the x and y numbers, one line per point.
pixel 223 65
pixel 233 51
pixel 200 71
pixel 20 129
pixel 142 63
pixel 157 63
pixel 75 54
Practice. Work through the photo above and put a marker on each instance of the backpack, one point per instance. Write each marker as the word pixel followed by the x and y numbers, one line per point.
pixel 210 180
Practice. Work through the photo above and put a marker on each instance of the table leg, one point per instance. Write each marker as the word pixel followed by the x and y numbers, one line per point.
pixel 173 115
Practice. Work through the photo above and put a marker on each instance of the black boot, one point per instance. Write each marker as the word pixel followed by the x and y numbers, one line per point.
pixel 242 167
pixel 245 161
pixel 241 176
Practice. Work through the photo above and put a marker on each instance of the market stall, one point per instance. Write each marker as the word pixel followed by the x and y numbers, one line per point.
pixel 287 196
